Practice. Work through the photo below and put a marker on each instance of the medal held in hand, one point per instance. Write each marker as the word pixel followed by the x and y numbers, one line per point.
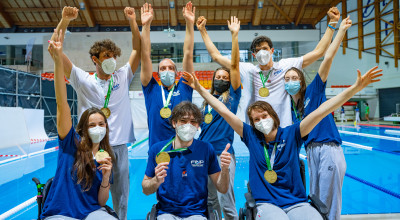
pixel 163 157
pixel 101 155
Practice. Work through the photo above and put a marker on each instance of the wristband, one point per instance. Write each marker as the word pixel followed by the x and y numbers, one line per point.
pixel 333 22
pixel 105 186
pixel 332 27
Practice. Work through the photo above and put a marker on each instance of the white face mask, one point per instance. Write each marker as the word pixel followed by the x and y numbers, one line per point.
pixel 97 133
pixel 263 57
pixel 167 78
pixel 186 132
pixel 265 125
pixel 109 65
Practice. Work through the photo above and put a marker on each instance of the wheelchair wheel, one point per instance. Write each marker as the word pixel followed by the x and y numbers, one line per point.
pixel 249 214
pixel 241 214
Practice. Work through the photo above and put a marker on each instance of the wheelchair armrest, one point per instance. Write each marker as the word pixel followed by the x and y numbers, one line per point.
pixel 250 200
pixel 111 211
pixel 319 205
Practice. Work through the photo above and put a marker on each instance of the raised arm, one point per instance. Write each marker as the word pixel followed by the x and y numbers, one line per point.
pixel 234 27
pixel 64 123
pixel 217 105
pixel 322 46
pixel 68 14
pixel 134 58
pixel 309 122
pixel 332 50
pixel 189 15
pixel 212 50
pixel 147 69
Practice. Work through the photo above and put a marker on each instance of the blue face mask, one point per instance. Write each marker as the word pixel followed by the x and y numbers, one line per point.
pixel 292 87
pixel 167 78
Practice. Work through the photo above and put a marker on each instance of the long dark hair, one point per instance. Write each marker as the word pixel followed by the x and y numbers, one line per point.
pixel 84 165
pixel 225 95
pixel 302 91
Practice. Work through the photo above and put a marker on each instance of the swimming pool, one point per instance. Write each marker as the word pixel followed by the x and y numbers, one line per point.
pixel 371 185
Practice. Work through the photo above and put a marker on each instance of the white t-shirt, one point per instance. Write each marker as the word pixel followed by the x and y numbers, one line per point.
pixel 92 92
pixel 278 98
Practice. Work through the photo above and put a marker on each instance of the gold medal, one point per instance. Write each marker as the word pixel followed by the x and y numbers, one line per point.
pixel 208 118
pixel 101 155
pixel 263 92
pixel 106 111
pixel 270 176
pixel 163 157
pixel 165 112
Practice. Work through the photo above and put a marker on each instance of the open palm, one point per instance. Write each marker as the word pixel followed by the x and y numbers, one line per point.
pixel 234 25
pixel 192 80
pixel 368 78
pixel 189 12
pixel 146 14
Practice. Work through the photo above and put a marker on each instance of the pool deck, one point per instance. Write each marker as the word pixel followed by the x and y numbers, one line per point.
pixel 371 216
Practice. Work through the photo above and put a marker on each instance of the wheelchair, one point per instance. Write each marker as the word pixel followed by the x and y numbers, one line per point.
pixel 211 213
pixel 249 211
pixel 43 190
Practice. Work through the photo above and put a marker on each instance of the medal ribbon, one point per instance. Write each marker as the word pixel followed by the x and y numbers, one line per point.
pixel 264 79
pixel 109 90
pixel 177 150
pixel 209 109
pixel 166 103
pixel 295 111
pixel 270 162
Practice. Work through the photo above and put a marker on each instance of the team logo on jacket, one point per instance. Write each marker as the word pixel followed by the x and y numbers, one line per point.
pixel 184 173
pixel 279 147
pixel 115 87
pixel 277 72
pixel 176 93
pixel 197 163
pixel 306 102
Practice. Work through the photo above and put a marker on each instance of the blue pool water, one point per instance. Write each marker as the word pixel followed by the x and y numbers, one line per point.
pixel 371 185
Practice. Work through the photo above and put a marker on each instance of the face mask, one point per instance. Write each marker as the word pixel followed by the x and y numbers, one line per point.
pixel 167 78
pixel 186 132
pixel 221 85
pixel 265 125
pixel 97 133
pixel 109 65
pixel 292 87
pixel 263 57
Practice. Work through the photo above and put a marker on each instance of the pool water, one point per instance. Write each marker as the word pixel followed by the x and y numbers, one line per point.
pixel 371 184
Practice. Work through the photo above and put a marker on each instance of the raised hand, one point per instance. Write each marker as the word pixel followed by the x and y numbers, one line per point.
pixel 189 12
pixel 333 14
pixel 106 167
pixel 55 47
pixel 146 14
pixel 130 13
pixel 161 172
pixel 192 80
pixel 368 78
pixel 225 158
pixel 201 23
pixel 234 25
pixel 69 13
pixel 346 23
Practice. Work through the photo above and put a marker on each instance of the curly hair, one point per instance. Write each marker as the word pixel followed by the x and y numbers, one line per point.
pixel 258 40
pixel 186 108
pixel 104 45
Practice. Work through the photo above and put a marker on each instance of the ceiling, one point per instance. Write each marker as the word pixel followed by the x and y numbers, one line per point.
pixel 47 13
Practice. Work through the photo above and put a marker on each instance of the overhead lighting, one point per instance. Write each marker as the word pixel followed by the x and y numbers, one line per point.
pixel 82 5
pixel 172 4
pixel 260 4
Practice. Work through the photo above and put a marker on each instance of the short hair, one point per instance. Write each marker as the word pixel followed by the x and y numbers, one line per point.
pixel 158 67
pixel 186 108
pixel 103 45
pixel 258 40
pixel 263 106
